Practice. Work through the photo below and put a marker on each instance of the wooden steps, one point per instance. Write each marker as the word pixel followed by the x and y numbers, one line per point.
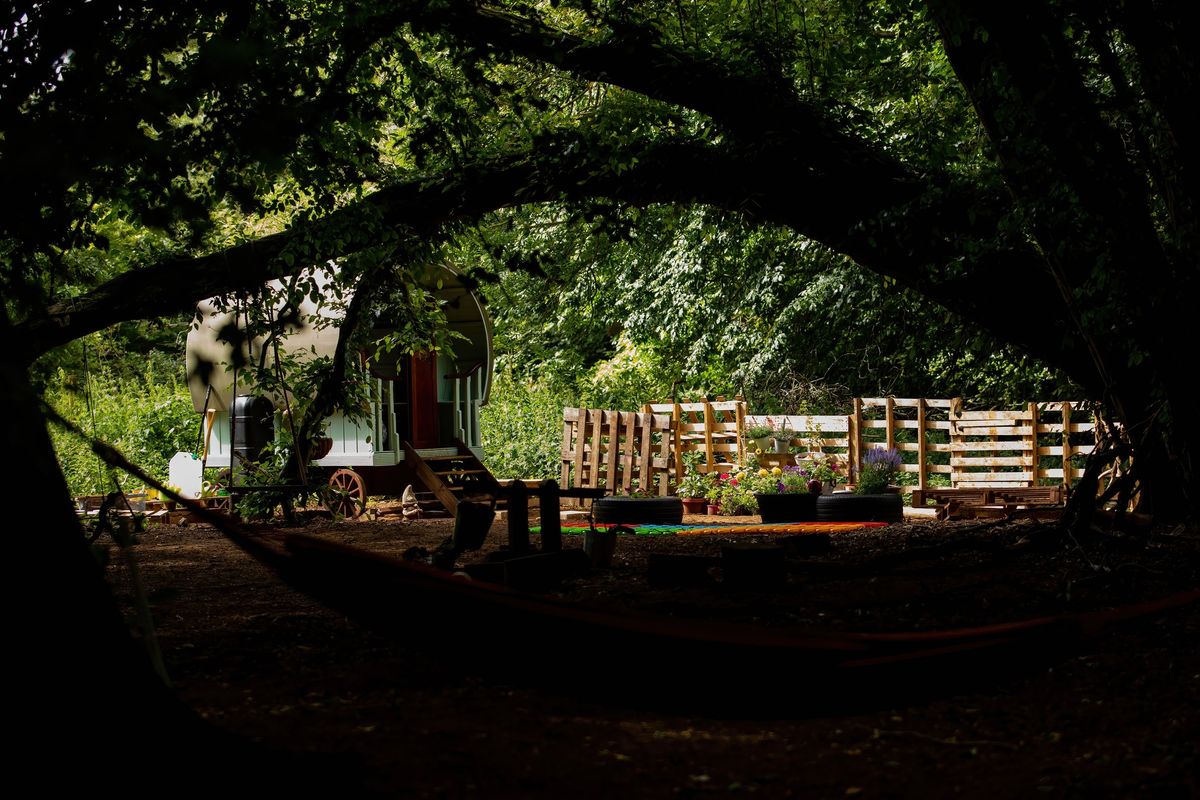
pixel 453 478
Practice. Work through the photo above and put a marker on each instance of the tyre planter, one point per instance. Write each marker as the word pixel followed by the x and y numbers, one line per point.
pixel 627 510
pixel 787 507
pixel 847 507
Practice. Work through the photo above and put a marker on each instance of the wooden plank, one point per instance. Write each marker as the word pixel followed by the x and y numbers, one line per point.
pixel 646 465
pixel 877 424
pixel 934 403
pixel 708 431
pixel 856 441
pixel 580 444
pixel 612 453
pixel 1066 443
pixel 991 485
pixel 996 431
pixel 937 447
pixel 890 418
pixel 595 428
pixel 1056 472
pixel 937 424
pixel 676 427
pixel 975 416
pixel 627 444
pixel 565 455
pixel 1076 427
pixel 922 444
pixel 1031 444
pixel 960 446
pixel 741 430
pixel 664 448
pixel 908 447
pixel 993 461
pixel 971 424
pixel 941 469
pixel 991 476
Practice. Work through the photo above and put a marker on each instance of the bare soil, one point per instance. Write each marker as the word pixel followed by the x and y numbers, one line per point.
pixel 1118 716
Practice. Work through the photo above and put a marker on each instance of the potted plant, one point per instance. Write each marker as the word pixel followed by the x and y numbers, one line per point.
pixel 713 495
pixel 871 501
pixel 758 437
pixel 879 470
pixel 737 499
pixel 693 491
pixel 826 468
pixel 781 437
pixel 782 494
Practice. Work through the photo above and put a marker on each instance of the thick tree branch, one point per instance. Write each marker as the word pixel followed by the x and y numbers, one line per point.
pixel 919 243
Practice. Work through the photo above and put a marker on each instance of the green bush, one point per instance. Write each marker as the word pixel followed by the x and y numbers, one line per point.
pixel 521 428
pixel 146 417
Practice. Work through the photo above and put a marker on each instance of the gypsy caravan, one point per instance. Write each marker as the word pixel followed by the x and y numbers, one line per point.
pixel 422 425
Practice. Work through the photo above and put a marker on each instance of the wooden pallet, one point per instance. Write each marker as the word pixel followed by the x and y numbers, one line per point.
pixel 1006 502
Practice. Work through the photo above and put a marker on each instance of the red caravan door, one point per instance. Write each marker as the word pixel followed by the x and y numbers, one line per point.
pixel 424 401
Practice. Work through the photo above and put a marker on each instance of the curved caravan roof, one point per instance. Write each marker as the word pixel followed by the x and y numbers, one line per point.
pixel 209 359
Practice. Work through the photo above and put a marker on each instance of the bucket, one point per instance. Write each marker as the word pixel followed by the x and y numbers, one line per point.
pixel 600 544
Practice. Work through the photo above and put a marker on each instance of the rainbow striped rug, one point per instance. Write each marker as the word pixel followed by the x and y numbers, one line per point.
pixel 757 529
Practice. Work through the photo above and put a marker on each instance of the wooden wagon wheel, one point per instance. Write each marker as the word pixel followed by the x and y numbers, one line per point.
pixel 346 494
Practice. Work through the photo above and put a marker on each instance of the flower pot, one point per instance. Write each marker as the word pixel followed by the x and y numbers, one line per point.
pixel 850 507
pixel 787 507
pixel 321 448
pixel 780 445
pixel 762 443
pixel 694 505
pixel 712 509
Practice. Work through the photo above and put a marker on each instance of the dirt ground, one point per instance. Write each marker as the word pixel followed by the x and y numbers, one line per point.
pixel 1117 716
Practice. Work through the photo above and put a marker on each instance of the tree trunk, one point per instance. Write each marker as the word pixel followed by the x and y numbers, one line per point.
pixel 88 700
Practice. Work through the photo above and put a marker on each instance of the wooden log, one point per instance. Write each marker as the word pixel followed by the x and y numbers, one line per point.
pixel 922 444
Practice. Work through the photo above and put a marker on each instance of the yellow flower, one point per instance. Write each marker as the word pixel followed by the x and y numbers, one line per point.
pixel 763 472
pixel 776 471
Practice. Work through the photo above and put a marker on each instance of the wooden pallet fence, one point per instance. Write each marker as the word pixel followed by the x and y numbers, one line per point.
pixel 619 450
pixel 993 449
pixel 714 428
pixel 1034 446
pixel 815 434
pixel 1066 432
pixel 917 428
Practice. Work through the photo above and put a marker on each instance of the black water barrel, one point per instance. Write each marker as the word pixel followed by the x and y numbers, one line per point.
pixel 253 427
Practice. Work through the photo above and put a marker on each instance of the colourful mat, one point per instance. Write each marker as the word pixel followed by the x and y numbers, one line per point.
pixel 757 529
